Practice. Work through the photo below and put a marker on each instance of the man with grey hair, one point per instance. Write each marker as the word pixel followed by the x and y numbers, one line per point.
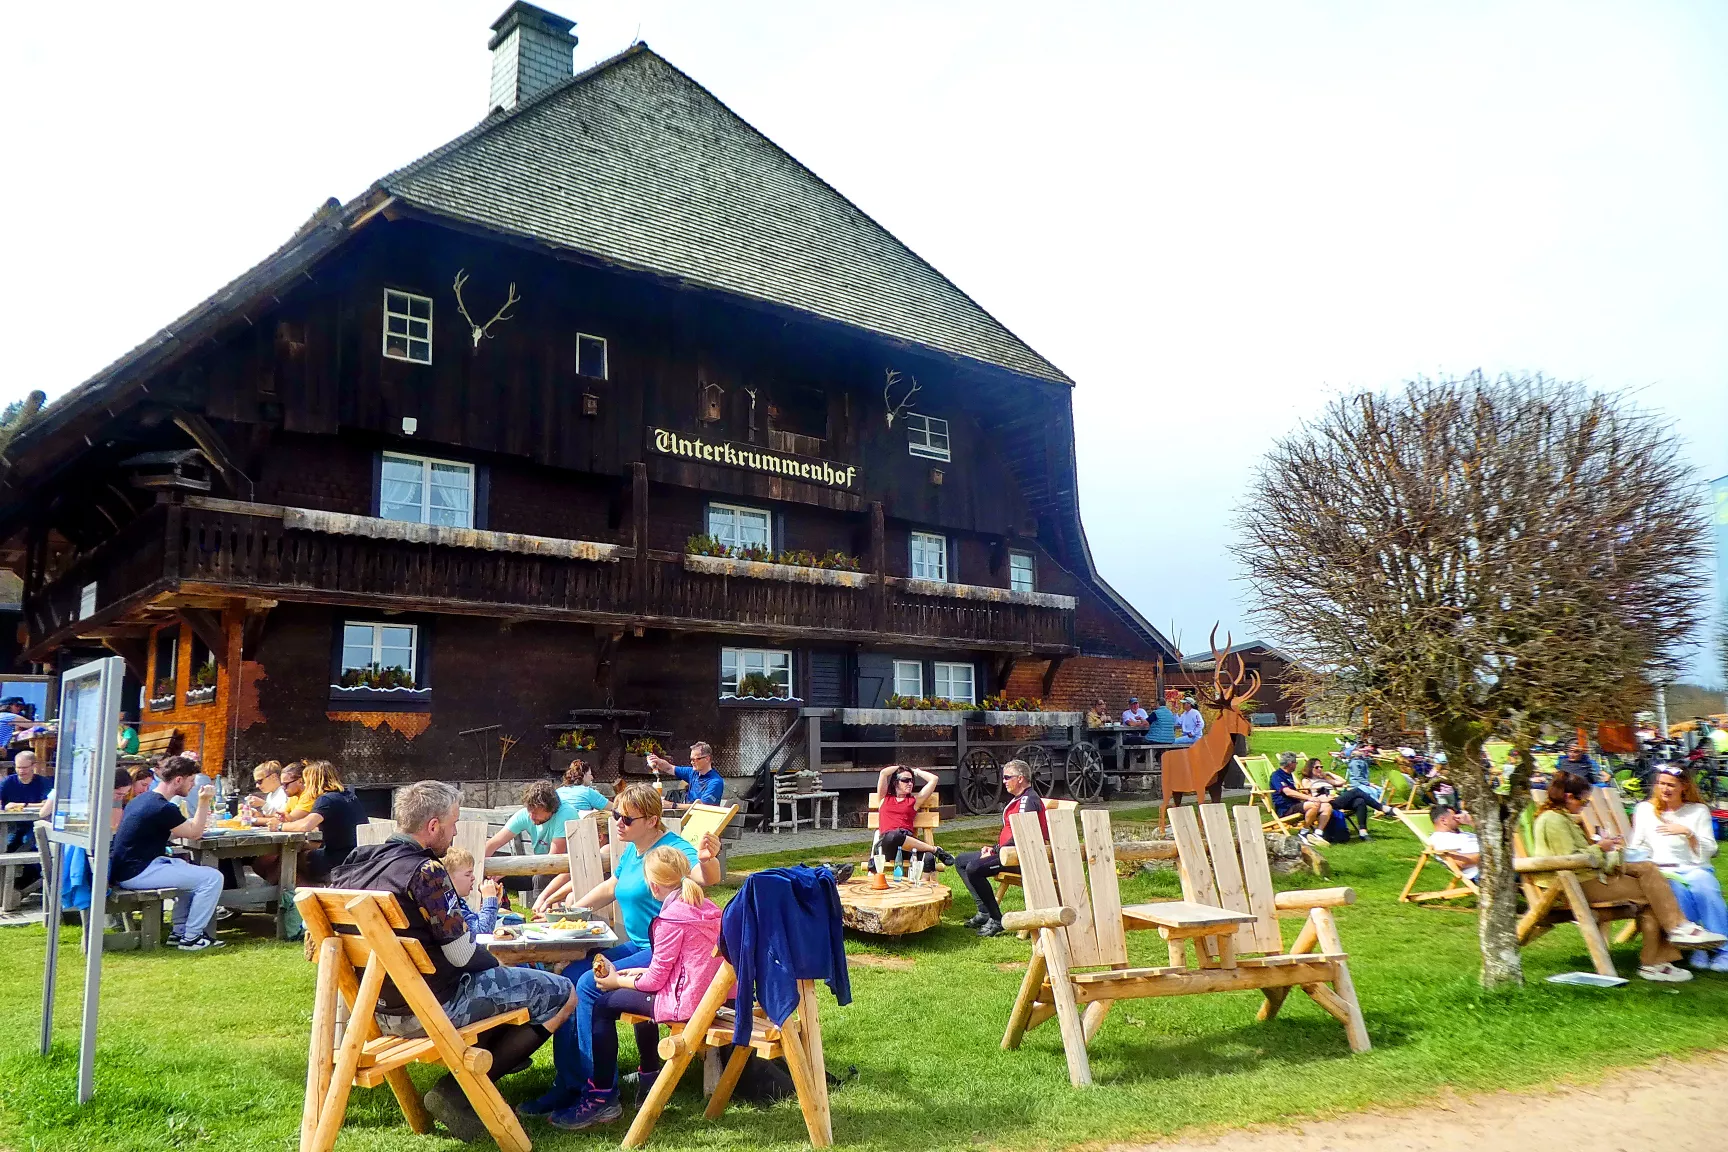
pixel 978 868
pixel 705 785
pixel 467 980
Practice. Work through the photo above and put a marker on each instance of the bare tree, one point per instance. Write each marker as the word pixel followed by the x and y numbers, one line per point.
pixel 1489 556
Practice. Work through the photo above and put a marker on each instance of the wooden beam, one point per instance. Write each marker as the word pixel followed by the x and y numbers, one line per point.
pixel 215 450
pixel 134 650
pixel 229 680
pixel 252 628
pixel 879 567
pixel 207 626
pixel 639 530
pixel 1050 670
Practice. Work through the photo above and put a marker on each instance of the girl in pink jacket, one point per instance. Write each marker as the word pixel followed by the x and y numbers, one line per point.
pixel 683 937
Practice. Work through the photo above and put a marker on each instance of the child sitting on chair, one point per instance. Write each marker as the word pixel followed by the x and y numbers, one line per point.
pixel 683 937
pixel 902 789
pixel 459 862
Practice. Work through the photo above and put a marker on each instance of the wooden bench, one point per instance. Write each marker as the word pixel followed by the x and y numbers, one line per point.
pixel 141 910
pixel 157 742
pixel 925 820
pixel 1010 876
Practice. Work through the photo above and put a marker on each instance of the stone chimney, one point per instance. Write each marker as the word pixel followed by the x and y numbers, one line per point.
pixel 531 52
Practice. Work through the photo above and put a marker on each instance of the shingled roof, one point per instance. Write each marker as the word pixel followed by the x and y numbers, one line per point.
pixel 637 164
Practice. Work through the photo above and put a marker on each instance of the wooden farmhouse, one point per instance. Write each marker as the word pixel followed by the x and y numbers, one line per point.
pixel 541 440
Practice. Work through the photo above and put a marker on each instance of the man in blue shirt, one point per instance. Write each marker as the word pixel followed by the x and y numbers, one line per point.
pixel 1162 729
pixel 705 785
pixel 1578 763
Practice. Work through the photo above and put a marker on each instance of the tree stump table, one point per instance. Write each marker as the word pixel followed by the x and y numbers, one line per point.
pixel 900 909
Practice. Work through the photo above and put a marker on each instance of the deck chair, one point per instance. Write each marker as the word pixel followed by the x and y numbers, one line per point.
pixel 1421 826
pixel 353 941
pixel 1258 769
pixel 1563 898
pixel 699 820
pixel 1606 815
pixel 925 820
pixel 1079 964
pixel 1009 877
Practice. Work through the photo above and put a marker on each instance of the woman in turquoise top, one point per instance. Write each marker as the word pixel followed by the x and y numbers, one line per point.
pixel 637 813
pixel 578 790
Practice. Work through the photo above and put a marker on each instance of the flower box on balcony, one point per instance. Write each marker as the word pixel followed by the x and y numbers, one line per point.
pixel 983 592
pixel 200 695
pixel 161 703
pixel 1035 719
pixel 763 570
pixel 908 717
pixel 789 703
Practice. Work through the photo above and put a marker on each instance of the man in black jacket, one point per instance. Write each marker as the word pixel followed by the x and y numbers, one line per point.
pixel 467 980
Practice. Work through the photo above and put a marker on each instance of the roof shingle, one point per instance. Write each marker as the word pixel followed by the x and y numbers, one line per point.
pixel 635 163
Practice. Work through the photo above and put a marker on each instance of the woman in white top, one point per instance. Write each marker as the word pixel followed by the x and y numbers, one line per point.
pixel 1676 830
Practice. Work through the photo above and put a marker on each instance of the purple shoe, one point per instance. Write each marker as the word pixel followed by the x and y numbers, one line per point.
pixel 595 1109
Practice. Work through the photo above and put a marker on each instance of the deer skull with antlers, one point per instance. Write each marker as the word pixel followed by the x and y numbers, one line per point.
pixel 888 397
pixel 483 331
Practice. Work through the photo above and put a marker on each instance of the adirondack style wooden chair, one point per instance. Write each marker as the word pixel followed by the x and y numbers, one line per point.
pixel 1563 899
pixel 352 965
pixel 1258 770
pixel 1079 965
pixel 1421 826
pixel 1606 815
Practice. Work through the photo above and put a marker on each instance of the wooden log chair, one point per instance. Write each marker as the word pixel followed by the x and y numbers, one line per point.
pixel 353 964
pixel 157 742
pixel 1258 770
pixel 925 820
pixel 1079 965
pixel 1563 899
pixel 1421 826
pixel 1606 815
pixel 1009 877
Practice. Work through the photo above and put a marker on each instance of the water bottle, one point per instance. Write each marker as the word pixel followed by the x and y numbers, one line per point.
pixel 899 863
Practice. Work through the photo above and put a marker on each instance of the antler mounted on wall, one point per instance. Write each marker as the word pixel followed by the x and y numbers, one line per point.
pixel 888 397
pixel 482 331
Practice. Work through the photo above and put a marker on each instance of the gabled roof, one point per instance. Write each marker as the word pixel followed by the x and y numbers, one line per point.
pixel 1205 663
pixel 635 163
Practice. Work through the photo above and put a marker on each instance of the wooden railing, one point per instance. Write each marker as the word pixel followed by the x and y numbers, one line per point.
pixel 252 553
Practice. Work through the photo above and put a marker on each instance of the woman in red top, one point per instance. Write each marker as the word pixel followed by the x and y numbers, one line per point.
pixel 902 789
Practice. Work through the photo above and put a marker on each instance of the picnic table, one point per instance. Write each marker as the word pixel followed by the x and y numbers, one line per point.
pixel 556 952
pixel 11 862
pixel 250 844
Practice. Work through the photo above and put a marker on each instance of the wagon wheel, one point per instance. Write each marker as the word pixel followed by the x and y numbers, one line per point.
pixel 1085 773
pixel 1042 765
pixel 979 781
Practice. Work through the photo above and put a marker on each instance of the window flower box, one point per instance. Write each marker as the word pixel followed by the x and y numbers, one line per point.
pixel 1035 719
pixel 362 699
pixel 161 703
pixel 909 717
pixel 766 570
pixel 790 703
pixel 200 695
pixel 984 592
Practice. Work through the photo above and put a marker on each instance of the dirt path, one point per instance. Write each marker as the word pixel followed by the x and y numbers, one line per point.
pixel 1665 1107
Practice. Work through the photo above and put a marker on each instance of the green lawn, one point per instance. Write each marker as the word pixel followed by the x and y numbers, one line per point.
pixel 209 1050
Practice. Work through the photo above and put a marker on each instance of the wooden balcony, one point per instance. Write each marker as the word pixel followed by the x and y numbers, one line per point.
pixel 230 549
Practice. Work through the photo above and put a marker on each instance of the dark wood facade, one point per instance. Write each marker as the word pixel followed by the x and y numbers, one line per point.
pixel 570 588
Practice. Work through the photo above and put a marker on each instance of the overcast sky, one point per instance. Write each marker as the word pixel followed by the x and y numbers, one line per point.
pixel 1212 216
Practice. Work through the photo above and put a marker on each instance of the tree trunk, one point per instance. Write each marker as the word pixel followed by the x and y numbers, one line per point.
pixel 1497 916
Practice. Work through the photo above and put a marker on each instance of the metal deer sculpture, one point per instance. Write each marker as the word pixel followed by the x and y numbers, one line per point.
pixel 483 331
pixel 1196 767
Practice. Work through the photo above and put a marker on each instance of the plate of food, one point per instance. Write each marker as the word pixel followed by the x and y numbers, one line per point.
pixel 566 929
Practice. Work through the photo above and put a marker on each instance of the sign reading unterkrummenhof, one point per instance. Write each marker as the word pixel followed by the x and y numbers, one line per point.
pixel 752 459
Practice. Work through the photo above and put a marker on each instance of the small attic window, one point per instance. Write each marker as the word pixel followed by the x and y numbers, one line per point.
pixel 407 327
pixel 591 356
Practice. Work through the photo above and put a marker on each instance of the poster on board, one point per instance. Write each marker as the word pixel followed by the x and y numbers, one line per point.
pixel 83 785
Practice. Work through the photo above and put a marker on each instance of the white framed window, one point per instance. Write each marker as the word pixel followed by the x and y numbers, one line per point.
pixel 926 436
pixel 591 356
pixel 954 682
pixel 909 678
pixel 929 556
pixel 739 527
pixel 87 601
pixel 367 646
pixel 1020 572
pixel 407 326
pixel 737 665
pixel 422 490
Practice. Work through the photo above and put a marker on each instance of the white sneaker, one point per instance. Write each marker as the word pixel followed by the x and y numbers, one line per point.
pixel 1690 935
pixel 1664 973
pixel 1361 833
